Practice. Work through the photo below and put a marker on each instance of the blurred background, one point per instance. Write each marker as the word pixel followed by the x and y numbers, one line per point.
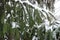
pixel 29 20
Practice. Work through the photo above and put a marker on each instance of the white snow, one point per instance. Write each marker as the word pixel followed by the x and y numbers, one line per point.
pixel 8 15
pixel 57 9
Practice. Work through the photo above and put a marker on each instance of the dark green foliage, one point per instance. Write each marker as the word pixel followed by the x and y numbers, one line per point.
pixel 37 16
pixel 26 19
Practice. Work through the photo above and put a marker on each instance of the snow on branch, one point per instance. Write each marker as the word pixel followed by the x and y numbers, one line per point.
pixel 36 7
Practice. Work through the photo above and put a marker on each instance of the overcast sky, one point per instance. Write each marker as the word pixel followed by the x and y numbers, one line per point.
pixel 57 9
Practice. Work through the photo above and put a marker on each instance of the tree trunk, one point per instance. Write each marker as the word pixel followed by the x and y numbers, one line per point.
pixel 9 36
pixel 1 15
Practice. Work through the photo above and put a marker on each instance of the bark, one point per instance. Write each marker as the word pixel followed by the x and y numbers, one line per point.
pixel 1 15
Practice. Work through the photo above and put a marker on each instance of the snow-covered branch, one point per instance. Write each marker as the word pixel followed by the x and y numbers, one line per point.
pixel 36 7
